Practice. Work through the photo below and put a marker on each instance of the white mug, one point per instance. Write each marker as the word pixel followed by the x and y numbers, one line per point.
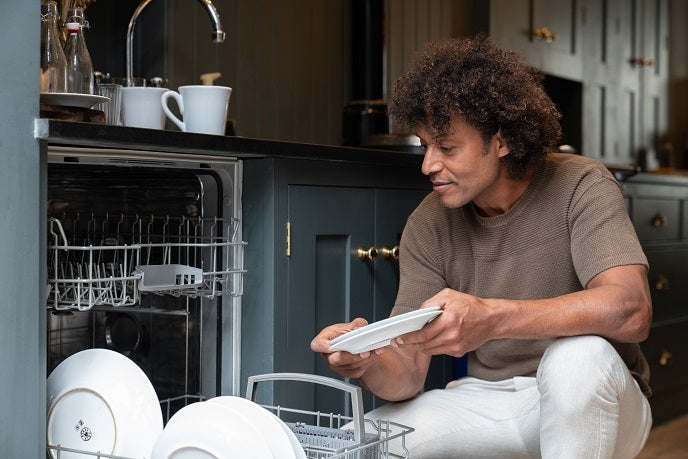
pixel 202 107
pixel 141 107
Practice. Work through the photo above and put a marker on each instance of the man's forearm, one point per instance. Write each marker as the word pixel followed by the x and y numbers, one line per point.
pixel 398 374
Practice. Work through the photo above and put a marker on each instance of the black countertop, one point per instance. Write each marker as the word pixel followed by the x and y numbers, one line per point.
pixel 92 135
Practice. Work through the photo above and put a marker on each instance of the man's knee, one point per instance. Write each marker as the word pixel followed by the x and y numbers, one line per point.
pixel 579 367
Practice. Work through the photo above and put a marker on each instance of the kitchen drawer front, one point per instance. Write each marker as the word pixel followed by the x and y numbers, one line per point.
pixel 656 219
pixel 668 278
pixel 667 352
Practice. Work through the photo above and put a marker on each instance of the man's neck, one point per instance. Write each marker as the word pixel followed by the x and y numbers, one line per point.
pixel 503 195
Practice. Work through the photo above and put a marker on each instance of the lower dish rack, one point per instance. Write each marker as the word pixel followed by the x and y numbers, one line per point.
pixel 335 436
pixel 330 437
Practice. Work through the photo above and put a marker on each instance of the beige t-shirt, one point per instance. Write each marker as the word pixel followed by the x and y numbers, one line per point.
pixel 570 224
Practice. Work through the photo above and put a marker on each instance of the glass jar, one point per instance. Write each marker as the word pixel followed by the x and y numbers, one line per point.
pixel 53 62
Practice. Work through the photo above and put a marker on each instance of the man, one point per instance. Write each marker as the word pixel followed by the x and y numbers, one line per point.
pixel 534 261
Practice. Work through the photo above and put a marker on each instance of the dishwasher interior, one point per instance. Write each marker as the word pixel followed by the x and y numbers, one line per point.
pixel 145 257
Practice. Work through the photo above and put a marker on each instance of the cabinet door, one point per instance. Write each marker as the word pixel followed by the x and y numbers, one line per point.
pixel 330 282
pixel 625 75
pixel 392 209
pixel 327 282
pixel 652 64
pixel 547 32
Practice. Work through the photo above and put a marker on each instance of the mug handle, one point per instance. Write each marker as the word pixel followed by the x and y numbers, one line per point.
pixel 178 98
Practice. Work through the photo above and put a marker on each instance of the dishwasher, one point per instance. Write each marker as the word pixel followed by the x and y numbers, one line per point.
pixel 145 257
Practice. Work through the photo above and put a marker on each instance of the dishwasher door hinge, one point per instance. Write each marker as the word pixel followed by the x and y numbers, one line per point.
pixel 288 238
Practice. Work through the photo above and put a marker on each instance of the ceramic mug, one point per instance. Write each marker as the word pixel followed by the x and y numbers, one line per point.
pixel 141 107
pixel 203 108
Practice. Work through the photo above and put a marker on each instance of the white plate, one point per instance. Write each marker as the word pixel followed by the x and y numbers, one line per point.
pixel 295 443
pixel 272 428
pixel 209 430
pixel 381 333
pixel 70 99
pixel 99 400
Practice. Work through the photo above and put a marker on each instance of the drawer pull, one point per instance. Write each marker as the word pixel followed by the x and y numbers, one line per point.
pixel 665 358
pixel 659 221
pixel 662 283
pixel 367 253
pixel 391 253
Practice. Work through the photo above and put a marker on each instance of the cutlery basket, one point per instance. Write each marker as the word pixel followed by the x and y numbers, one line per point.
pixel 327 439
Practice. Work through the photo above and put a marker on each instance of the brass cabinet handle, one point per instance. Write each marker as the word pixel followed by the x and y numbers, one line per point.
pixel 643 61
pixel 665 358
pixel 367 253
pixel 543 33
pixel 659 221
pixel 391 253
pixel 662 283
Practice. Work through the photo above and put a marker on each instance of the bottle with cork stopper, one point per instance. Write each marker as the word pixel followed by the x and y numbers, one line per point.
pixel 79 65
pixel 208 79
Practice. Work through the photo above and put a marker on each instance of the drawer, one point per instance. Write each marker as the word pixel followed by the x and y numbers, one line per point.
pixel 668 278
pixel 656 219
pixel 667 353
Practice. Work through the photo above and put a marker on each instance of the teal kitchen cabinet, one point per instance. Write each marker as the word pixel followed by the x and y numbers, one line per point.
pixel 658 206
pixel 322 237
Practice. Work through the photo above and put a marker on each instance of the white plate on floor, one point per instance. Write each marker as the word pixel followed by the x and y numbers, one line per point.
pixel 381 333
pixel 69 99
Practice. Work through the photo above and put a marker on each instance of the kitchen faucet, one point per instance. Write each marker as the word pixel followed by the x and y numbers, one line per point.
pixel 218 34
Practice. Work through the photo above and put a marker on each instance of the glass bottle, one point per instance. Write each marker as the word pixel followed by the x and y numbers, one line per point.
pixel 53 63
pixel 79 65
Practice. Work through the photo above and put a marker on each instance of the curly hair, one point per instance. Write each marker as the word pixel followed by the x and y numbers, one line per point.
pixel 490 88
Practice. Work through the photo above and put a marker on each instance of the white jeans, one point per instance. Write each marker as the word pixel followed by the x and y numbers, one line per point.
pixel 583 404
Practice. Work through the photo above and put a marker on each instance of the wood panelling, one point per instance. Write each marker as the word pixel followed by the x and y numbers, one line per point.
pixel 408 25
pixel 286 62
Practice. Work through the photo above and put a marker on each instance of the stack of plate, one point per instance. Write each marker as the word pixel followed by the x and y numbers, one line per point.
pixel 226 427
pixel 101 401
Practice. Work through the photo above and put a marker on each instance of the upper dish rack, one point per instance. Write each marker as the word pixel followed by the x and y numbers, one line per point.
pixel 112 260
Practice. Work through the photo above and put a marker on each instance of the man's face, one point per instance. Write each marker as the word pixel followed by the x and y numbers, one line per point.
pixel 461 165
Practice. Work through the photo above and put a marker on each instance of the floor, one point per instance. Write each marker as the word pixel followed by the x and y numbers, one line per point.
pixel 667 441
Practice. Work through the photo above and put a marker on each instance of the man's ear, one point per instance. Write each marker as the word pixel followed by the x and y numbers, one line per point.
pixel 502 146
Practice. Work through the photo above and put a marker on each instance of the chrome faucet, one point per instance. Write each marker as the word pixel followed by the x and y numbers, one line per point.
pixel 218 35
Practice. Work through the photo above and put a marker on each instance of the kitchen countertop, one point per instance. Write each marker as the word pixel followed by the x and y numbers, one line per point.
pixel 92 135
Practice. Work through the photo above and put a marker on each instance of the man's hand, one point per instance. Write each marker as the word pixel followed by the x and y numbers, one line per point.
pixel 462 327
pixel 345 364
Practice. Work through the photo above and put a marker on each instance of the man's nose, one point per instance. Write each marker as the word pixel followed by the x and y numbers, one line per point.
pixel 431 160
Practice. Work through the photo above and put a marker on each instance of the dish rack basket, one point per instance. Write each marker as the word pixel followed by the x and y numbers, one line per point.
pixel 335 436
pixel 112 260
pixel 330 437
